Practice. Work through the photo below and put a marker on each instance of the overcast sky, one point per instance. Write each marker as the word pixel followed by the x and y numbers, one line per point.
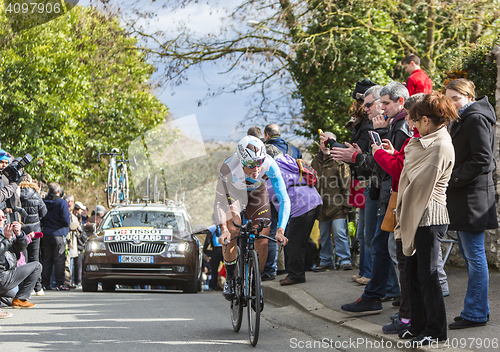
pixel 218 117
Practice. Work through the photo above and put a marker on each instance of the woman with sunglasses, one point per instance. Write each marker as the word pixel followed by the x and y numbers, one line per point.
pixel 242 186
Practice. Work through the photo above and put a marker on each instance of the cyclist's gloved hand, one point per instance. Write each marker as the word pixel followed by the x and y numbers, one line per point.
pixel 225 236
pixel 280 237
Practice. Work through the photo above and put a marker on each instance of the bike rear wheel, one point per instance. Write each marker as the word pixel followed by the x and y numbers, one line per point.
pixel 253 294
pixel 237 302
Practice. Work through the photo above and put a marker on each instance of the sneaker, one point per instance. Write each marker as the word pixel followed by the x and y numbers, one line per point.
pixel 446 293
pixel 6 301
pixel 407 334
pixel 363 280
pixel 462 323
pixel 355 277
pixel 394 316
pixel 346 266
pixel 62 288
pixel 267 277
pixel 423 340
pixel 40 293
pixel 395 327
pixel 4 314
pixel 322 268
pixel 17 303
pixel 79 286
pixel 363 306
pixel 228 291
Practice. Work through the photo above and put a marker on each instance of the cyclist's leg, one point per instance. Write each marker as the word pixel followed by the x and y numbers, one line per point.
pixel 258 209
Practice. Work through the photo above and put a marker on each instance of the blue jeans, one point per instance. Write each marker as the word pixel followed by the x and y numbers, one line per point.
pixel 370 227
pixel 341 242
pixel 476 306
pixel 392 281
pixel 360 233
pixel 382 265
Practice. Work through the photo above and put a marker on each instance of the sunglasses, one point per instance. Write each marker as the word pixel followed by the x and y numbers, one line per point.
pixel 369 104
pixel 2 154
pixel 254 163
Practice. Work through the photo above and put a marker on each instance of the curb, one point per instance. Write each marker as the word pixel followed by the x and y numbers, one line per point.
pixel 292 295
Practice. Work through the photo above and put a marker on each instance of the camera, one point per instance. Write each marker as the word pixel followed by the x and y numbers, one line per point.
pixel 330 143
pixel 14 170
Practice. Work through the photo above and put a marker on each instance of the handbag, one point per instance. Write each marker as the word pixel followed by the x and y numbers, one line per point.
pixel 389 222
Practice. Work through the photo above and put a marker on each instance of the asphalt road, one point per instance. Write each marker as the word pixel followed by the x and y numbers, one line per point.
pixel 135 320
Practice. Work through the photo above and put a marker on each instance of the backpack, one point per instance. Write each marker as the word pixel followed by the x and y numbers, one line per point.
pixel 307 173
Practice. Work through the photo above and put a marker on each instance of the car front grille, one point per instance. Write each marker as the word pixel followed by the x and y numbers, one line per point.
pixel 142 248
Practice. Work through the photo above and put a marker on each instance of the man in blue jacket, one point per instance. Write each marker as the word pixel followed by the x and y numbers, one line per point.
pixel 55 228
pixel 272 135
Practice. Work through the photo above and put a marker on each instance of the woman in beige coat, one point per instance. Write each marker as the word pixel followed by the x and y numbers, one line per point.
pixel 422 214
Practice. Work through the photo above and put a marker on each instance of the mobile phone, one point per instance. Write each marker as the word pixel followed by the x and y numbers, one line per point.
pixel 375 137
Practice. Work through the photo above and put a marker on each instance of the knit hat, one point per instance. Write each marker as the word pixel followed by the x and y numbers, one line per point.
pixel 361 88
pixel 4 156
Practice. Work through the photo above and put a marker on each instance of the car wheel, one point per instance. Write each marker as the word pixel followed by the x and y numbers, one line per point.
pixel 108 286
pixel 89 286
pixel 192 287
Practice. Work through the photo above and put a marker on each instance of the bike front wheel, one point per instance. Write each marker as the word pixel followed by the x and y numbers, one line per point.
pixel 253 294
pixel 237 302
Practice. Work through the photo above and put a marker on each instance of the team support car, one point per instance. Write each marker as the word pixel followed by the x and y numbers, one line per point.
pixel 143 244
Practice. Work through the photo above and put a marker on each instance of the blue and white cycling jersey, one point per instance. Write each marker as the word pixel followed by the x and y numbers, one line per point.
pixel 271 171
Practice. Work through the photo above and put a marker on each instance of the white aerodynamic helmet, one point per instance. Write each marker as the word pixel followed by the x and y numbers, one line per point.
pixel 251 151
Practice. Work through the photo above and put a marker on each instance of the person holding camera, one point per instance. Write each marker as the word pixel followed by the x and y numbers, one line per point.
pixel 334 187
pixel 12 242
pixel 35 208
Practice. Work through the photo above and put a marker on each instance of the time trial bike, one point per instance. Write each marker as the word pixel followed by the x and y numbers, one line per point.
pixel 247 280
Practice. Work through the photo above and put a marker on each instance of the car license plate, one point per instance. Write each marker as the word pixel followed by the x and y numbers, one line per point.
pixel 136 259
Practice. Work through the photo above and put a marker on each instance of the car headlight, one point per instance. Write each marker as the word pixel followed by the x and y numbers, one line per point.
pixel 95 246
pixel 181 247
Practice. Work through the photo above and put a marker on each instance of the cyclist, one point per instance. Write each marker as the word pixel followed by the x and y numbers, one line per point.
pixel 242 186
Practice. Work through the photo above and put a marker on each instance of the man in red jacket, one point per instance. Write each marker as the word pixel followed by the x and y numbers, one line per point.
pixel 418 82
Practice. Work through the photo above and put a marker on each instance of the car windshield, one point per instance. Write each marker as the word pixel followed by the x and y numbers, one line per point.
pixel 139 218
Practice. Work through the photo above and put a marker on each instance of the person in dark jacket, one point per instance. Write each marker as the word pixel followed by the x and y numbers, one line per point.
pixel 33 204
pixel 392 97
pixel 55 228
pixel 12 242
pixel 272 135
pixel 471 194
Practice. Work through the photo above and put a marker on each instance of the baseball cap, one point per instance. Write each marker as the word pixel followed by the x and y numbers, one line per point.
pixel 80 205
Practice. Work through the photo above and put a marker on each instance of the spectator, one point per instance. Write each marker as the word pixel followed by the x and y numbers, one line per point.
pixel 305 205
pixel 418 82
pixel 12 242
pixel 422 215
pixel 33 204
pixel 255 131
pixel 333 185
pixel 372 107
pixel 272 135
pixel 215 257
pixel 55 228
pixel 471 194
pixel 13 202
pixel 392 97
pixel 81 238
pixel 95 219
pixel 71 241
